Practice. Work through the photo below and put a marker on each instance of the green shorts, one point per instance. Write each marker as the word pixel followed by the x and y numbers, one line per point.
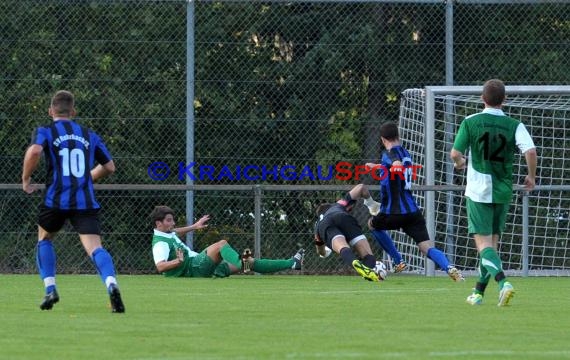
pixel 486 218
pixel 202 265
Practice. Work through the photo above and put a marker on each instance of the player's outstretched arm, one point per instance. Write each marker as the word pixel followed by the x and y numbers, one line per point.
pixel 200 224
pixel 360 191
pixel 323 250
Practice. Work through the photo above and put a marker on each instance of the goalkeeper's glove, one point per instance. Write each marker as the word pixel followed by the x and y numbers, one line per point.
pixel 328 251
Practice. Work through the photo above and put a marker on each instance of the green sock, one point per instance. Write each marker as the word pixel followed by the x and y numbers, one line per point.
pixel 230 255
pixel 269 266
pixel 483 280
pixel 492 263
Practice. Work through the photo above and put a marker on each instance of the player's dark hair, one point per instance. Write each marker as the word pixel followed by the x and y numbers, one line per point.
pixel 389 131
pixel 159 213
pixel 62 103
pixel 494 92
pixel 322 208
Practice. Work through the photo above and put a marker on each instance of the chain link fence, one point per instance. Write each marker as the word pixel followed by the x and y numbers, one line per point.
pixel 281 87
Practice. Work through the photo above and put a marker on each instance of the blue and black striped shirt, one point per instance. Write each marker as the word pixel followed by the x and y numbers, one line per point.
pixel 71 151
pixel 396 196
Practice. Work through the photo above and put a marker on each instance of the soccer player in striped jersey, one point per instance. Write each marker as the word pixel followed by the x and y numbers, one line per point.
pixel 398 208
pixel 491 138
pixel 75 157
pixel 174 259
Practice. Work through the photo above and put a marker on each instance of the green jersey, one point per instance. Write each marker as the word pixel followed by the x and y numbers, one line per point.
pixel 491 138
pixel 164 246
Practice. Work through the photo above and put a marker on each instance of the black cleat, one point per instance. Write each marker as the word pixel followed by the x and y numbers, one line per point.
pixel 117 305
pixel 49 300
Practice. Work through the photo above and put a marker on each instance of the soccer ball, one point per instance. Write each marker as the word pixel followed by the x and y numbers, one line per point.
pixel 380 270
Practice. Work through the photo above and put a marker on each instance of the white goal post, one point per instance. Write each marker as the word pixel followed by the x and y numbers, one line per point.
pixel 537 236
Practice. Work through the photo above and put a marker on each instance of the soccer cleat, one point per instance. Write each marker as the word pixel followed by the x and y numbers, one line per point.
pixel 506 294
pixel 246 262
pixel 374 208
pixel 364 271
pixel 400 267
pixel 117 305
pixel 475 299
pixel 455 274
pixel 49 300
pixel 298 259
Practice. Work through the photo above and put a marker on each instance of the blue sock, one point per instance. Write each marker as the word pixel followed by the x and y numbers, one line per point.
pixel 439 258
pixel 386 243
pixel 45 259
pixel 104 264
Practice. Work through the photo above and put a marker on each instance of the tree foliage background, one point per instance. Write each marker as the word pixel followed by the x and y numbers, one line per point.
pixel 276 83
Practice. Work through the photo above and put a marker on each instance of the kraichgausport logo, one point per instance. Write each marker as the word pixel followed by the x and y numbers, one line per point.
pixel 343 170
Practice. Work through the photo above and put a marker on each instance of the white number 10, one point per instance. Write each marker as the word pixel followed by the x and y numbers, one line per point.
pixel 72 162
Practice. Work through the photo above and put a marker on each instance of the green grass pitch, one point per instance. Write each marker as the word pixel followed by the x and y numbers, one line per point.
pixel 283 317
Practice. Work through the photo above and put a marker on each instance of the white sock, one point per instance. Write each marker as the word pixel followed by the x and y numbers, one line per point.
pixel 110 280
pixel 49 281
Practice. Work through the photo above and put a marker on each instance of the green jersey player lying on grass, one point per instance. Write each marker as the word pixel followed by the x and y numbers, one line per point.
pixel 173 258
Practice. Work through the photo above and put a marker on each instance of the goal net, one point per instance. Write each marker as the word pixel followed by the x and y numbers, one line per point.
pixel 536 239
